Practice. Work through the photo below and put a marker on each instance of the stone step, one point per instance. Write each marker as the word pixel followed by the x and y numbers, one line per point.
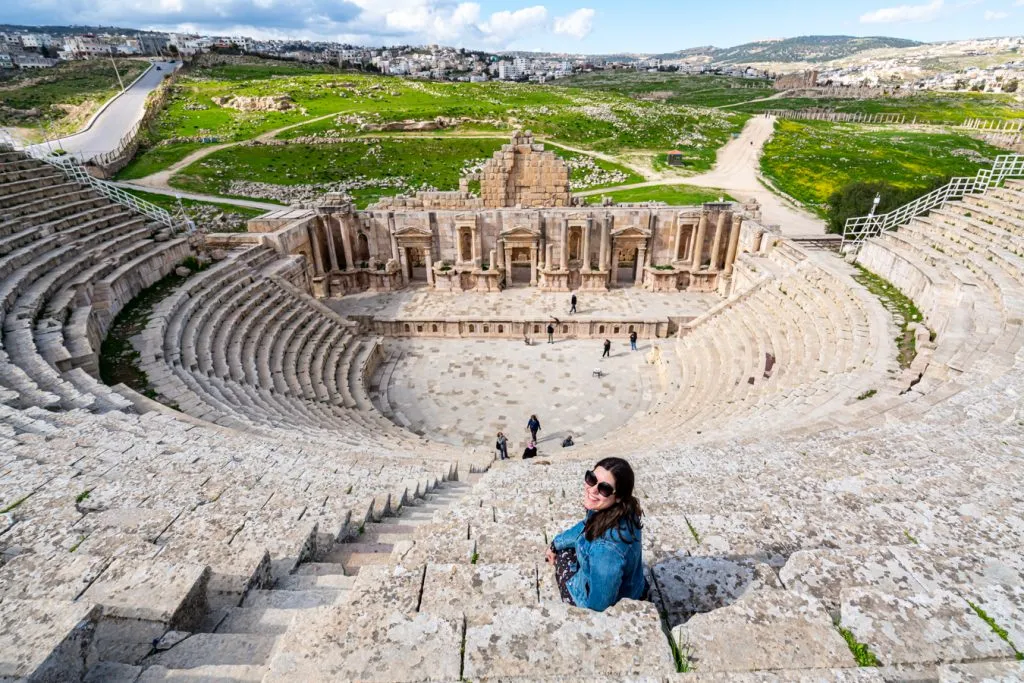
pixel 258 620
pixel 231 673
pixel 216 649
pixel 292 599
pixel 319 569
pixel 301 582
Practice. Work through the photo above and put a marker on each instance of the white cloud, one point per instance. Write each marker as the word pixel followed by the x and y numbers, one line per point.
pixel 577 24
pixel 992 15
pixel 365 22
pixel 903 13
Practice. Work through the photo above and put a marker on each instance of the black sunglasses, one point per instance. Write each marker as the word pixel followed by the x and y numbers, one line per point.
pixel 604 488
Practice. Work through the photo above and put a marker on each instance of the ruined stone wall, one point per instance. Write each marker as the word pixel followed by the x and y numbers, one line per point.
pixel 523 174
pixel 804 79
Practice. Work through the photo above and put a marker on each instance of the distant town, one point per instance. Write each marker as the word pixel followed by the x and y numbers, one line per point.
pixel 891 69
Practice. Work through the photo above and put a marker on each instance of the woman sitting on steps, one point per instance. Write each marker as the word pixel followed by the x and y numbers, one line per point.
pixel 599 561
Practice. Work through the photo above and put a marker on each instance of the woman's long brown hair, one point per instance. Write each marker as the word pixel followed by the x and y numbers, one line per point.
pixel 626 509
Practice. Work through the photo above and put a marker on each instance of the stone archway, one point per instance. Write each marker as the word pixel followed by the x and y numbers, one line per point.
pixel 362 248
pixel 625 266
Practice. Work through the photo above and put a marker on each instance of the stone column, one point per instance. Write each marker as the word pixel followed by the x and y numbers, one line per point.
pixel 716 245
pixel 551 257
pixel 641 256
pixel 734 241
pixel 564 262
pixel 331 249
pixel 678 241
pixel 429 262
pixel 533 266
pixel 346 245
pixel 477 247
pixel 586 247
pixel 606 229
pixel 493 263
pixel 508 264
pixel 542 254
pixel 698 244
pixel 314 246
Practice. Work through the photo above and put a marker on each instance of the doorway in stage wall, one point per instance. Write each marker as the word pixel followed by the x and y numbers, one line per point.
pixel 416 267
pixel 625 272
pixel 520 266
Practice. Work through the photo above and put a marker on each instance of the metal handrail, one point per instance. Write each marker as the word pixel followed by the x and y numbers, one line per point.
pixel 858 229
pixel 74 170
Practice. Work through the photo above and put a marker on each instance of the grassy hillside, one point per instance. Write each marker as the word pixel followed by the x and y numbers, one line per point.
pixel 926 107
pixel 811 160
pixel 686 89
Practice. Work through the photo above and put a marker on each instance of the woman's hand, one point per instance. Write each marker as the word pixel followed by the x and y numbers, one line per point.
pixel 549 557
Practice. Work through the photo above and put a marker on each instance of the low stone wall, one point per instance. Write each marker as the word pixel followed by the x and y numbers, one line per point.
pixel 536 330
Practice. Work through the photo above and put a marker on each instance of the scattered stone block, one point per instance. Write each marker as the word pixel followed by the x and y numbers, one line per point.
pixel 47 640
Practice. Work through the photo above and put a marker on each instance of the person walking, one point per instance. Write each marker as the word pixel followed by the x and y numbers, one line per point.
pixel 534 426
pixel 573 302
pixel 607 349
pixel 599 561
pixel 632 340
pixel 551 333
pixel 502 446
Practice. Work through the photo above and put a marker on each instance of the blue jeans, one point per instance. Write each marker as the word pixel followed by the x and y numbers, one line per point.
pixel 632 345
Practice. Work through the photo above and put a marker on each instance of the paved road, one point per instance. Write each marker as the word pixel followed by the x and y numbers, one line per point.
pixel 112 123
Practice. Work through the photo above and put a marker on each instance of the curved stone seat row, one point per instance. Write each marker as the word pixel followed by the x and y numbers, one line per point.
pixel 241 349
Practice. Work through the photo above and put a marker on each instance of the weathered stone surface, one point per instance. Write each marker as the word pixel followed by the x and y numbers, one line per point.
pixel 216 649
pixel 112 672
pixel 171 594
pixel 989 672
pixel 862 675
pixel 774 629
pixel 472 590
pixel 919 627
pixel 823 574
pixel 689 585
pixel 550 638
pixel 236 673
pixel 46 640
pixel 387 646
pixel 396 586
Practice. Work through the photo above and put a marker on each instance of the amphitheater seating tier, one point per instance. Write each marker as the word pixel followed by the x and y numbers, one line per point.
pixel 277 528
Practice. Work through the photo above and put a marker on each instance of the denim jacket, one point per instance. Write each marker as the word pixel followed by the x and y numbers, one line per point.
pixel 611 567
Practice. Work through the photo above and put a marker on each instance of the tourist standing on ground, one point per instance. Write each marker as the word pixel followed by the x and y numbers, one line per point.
pixel 599 561
pixel 502 446
pixel 607 349
pixel 572 309
pixel 533 424
pixel 632 340
pixel 530 451
pixel 551 333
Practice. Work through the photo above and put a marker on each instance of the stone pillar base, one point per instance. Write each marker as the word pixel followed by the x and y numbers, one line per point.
pixel 703 281
pixel 594 281
pixel 554 281
pixel 321 287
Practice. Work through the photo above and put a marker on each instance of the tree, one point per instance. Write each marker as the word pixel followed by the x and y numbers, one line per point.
pixel 855 199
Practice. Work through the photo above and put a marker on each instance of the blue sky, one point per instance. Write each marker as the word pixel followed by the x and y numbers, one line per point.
pixel 592 26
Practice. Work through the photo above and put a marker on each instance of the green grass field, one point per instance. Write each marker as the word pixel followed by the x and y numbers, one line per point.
pixel 370 168
pixel 688 89
pixel 810 160
pixel 592 119
pixel 38 97
pixel 169 203
pixel 156 159
pixel 937 108
pixel 673 195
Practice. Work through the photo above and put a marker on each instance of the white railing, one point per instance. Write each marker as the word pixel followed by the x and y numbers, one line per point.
pixel 861 228
pixel 74 170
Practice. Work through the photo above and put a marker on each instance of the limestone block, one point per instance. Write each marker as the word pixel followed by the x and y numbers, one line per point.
pixel 774 629
pixel 398 587
pixel 46 640
pixel 171 594
pixel 689 585
pixel 997 672
pixel 919 628
pixel 549 640
pixel 501 543
pixel 385 645
pixel 856 675
pixel 63 576
pixel 823 574
pixel 451 590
